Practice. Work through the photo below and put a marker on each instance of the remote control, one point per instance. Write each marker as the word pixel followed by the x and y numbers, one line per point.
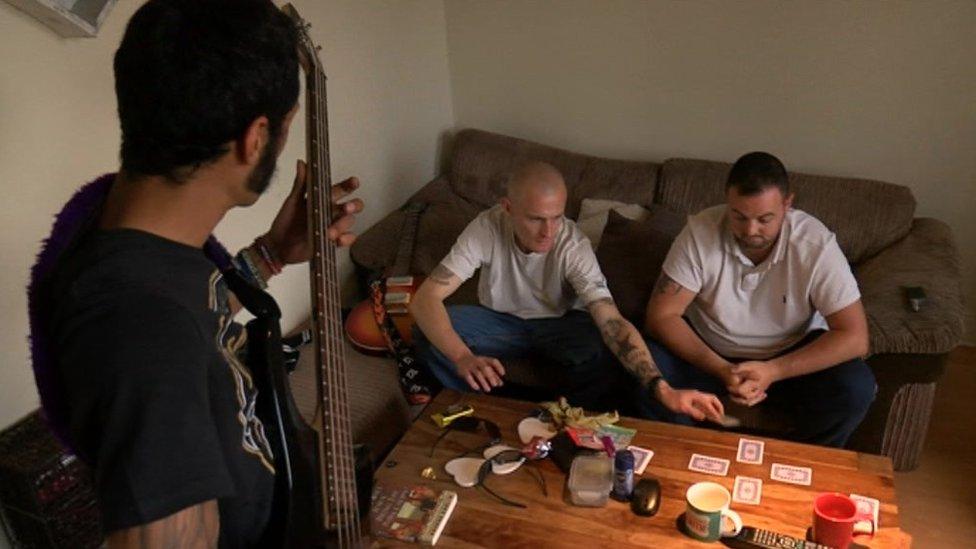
pixel 755 538
pixel 916 297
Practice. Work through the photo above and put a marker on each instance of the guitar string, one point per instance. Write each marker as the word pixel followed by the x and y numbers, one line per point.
pixel 338 421
pixel 329 333
pixel 340 431
pixel 325 188
pixel 328 465
pixel 352 492
pixel 343 387
pixel 339 427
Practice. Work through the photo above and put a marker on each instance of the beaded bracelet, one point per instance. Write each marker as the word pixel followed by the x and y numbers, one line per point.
pixel 245 264
pixel 274 265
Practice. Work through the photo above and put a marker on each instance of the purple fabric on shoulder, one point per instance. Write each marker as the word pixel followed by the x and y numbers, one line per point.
pixel 73 218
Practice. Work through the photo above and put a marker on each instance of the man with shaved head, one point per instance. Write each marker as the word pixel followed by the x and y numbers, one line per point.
pixel 542 295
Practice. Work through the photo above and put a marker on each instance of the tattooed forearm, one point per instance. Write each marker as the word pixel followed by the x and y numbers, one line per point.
pixel 666 285
pixel 195 527
pixel 441 275
pixel 629 348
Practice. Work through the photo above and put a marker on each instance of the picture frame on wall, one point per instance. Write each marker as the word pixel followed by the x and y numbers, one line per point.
pixel 68 18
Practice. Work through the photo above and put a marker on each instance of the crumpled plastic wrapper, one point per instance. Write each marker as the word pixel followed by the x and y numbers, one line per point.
pixel 563 414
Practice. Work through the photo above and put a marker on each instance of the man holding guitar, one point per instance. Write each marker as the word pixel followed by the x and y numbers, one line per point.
pixel 159 404
pixel 542 295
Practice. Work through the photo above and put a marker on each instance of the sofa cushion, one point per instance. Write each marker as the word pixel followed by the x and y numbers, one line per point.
pixel 482 161
pixel 446 215
pixel 631 253
pixel 594 213
pixel 867 216
pixel 439 227
pixel 376 248
pixel 927 257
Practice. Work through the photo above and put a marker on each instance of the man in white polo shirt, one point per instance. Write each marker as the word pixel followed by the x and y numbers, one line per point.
pixel 757 300
pixel 542 295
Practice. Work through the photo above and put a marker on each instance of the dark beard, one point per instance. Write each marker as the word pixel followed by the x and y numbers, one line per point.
pixel 260 177
pixel 744 244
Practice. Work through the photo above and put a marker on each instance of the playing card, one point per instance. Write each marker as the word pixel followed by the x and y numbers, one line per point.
pixel 730 422
pixel 747 490
pixel 791 474
pixel 750 451
pixel 710 465
pixel 642 456
pixel 869 507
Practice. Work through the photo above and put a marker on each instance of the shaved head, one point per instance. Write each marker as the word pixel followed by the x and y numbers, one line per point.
pixel 535 202
pixel 535 178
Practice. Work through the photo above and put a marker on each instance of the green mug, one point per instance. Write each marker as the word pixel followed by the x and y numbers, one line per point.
pixel 707 512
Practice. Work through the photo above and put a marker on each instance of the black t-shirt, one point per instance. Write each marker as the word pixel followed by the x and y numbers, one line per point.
pixel 159 403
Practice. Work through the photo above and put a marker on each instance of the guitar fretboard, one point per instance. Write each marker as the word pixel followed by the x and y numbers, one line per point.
pixel 336 459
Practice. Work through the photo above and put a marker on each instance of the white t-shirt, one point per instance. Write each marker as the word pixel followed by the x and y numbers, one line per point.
pixel 743 310
pixel 527 285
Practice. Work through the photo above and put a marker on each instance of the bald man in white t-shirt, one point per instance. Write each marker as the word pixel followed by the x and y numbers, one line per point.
pixel 757 301
pixel 542 295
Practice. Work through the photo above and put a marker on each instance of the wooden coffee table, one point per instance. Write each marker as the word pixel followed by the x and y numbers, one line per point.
pixel 551 521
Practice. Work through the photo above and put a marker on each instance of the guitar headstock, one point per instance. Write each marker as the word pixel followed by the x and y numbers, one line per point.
pixel 308 52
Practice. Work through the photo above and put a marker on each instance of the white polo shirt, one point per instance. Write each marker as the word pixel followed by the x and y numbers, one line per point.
pixel 527 285
pixel 743 310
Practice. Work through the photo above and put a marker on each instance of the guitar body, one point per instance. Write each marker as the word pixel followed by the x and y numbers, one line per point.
pixel 293 521
pixel 292 441
pixel 363 331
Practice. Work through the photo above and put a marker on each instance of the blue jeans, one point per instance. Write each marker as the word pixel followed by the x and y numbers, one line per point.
pixel 571 341
pixel 826 406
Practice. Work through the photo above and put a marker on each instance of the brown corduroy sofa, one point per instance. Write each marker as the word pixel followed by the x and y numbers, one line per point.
pixel 874 222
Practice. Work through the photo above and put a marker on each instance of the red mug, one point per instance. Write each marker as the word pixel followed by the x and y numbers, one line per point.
pixel 834 516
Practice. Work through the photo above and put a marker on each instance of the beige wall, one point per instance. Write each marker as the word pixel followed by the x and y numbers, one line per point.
pixel 883 90
pixel 389 108
pixel 389 100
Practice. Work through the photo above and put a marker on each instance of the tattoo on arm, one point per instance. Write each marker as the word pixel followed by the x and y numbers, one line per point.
pixel 441 275
pixel 666 285
pixel 196 527
pixel 618 335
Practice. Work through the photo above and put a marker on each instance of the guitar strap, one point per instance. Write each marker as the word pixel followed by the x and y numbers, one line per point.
pixel 414 382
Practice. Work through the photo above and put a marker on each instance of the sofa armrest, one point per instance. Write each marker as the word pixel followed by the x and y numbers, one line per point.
pixel 375 249
pixel 927 257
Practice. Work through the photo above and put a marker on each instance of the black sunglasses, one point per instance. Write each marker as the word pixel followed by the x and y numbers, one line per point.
pixel 503 457
pixel 470 424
